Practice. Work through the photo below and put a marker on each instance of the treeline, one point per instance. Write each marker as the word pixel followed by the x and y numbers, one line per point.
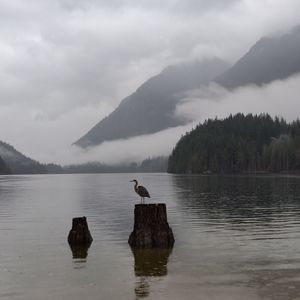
pixel 239 143
pixel 4 169
pixel 14 162
pixel 151 165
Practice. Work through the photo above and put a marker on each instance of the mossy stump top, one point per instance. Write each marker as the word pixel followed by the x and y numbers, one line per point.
pixel 151 228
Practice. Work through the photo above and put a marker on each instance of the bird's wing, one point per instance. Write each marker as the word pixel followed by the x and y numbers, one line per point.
pixel 143 191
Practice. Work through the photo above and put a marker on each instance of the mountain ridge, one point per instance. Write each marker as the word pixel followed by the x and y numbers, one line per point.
pixel 18 163
pixel 150 108
pixel 4 169
pixel 269 59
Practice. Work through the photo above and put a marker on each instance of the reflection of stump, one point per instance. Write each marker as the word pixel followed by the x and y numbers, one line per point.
pixel 80 251
pixel 142 288
pixel 151 262
pixel 79 234
pixel 151 228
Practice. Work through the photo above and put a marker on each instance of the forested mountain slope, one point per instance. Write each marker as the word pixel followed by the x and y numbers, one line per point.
pixel 18 163
pixel 239 143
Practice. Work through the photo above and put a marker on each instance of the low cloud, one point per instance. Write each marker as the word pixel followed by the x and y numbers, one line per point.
pixel 126 151
pixel 279 98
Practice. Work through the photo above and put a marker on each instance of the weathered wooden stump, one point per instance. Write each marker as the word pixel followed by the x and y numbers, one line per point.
pixel 151 228
pixel 80 235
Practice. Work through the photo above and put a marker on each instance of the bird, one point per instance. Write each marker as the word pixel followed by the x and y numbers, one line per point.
pixel 141 191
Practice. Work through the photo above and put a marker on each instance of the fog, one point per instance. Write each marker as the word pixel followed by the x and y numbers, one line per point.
pixel 279 98
pixel 124 151
pixel 66 64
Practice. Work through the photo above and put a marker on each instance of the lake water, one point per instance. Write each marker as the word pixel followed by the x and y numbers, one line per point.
pixel 236 238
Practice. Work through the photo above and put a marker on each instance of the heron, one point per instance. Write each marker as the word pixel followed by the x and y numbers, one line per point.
pixel 141 191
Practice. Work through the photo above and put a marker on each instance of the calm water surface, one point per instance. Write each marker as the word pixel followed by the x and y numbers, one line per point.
pixel 236 238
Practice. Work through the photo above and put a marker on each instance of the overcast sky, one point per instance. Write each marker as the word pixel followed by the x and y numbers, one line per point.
pixel 65 64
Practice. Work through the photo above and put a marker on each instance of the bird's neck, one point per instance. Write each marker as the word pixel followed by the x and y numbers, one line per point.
pixel 136 185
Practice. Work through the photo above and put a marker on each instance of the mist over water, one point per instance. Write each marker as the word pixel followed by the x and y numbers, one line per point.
pixel 125 151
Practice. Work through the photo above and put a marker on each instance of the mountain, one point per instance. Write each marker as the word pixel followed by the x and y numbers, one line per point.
pixel 19 163
pixel 271 58
pixel 4 169
pixel 150 109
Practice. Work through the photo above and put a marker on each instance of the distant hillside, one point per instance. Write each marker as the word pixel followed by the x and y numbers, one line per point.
pixel 271 58
pixel 150 109
pixel 150 165
pixel 19 163
pixel 4 169
pixel 238 144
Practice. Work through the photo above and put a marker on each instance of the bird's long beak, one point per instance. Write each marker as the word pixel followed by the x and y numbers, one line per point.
pixel 130 180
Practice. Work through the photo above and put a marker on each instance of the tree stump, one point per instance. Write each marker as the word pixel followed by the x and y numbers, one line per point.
pixel 80 235
pixel 151 228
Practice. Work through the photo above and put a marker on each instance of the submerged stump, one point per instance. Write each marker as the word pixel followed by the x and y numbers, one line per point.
pixel 151 228
pixel 80 235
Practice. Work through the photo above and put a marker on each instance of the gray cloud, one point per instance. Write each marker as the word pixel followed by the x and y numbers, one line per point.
pixel 169 6
pixel 65 64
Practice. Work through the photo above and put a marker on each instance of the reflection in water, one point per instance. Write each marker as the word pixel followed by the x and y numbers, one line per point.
pixel 238 199
pixel 80 252
pixel 142 288
pixel 276 283
pixel 149 263
pixel 254 222
pixel 238 237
